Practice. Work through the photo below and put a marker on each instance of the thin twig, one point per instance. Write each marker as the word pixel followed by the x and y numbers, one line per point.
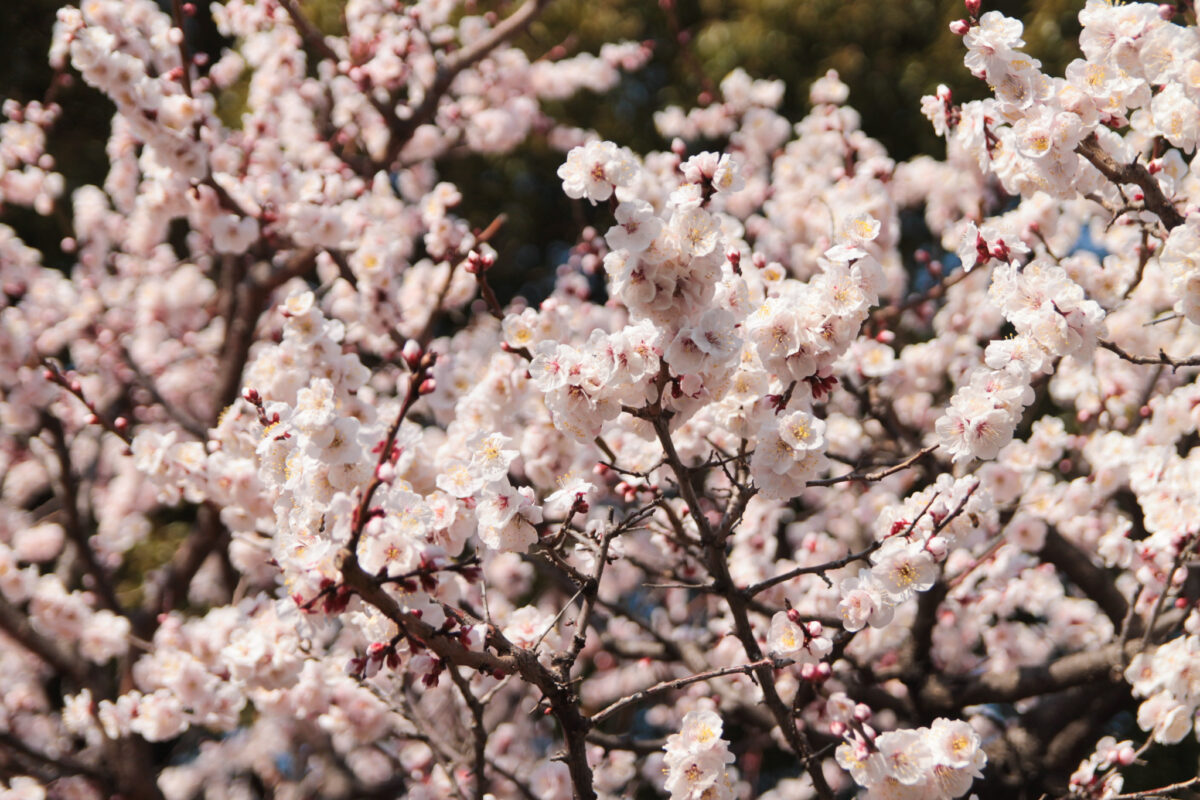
pixel 875 476
pixel 678 683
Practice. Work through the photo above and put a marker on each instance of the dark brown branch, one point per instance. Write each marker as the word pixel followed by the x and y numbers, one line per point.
pixel 875 476
pixel 361 514
pixel 165 587
pixel 1161 791
pixel 1092 580
pixel 76 527
pixel 251 296
pixel 590 589
pixel 1137 174
pixel 403 129
pixel 679 683
pixel 53 767
pixel 19 628
pixel 308 32
pixel 1161 359
pixel 818 569
pixel 479 733
pixel 507 658
pixel 1076 669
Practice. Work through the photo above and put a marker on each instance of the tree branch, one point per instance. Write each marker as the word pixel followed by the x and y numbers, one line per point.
pixel 1091 149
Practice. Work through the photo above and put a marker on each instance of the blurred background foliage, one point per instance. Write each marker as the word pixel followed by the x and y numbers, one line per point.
pixel 889 53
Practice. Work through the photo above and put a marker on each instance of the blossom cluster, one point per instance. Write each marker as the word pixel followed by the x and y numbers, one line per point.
pixel 697 758
pixel 938 762
pixel 293 503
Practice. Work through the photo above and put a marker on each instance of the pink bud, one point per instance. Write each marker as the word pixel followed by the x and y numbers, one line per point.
pixel 862 712
pixel 960 27
pixel 1166 11
pixel 814 628
pixel 428 386
pixel 121 424
pixel 837 728
pixel 412 353
pixel 808 672
pixel 973 7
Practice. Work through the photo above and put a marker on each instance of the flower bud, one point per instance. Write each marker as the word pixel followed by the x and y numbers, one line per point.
pixel 412 353
pixel 960 27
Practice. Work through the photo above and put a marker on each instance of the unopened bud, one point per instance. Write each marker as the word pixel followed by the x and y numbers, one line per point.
pixel 960 27
pixel 428 386
pixel 973 7
pixel 121 424
pixel 1166 11
pixel 412 353
pixel 862 712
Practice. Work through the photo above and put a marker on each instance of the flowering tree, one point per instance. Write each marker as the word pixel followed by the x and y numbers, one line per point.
pixel 293 506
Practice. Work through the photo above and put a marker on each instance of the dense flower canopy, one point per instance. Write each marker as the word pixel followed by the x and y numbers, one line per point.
pixel 760 502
